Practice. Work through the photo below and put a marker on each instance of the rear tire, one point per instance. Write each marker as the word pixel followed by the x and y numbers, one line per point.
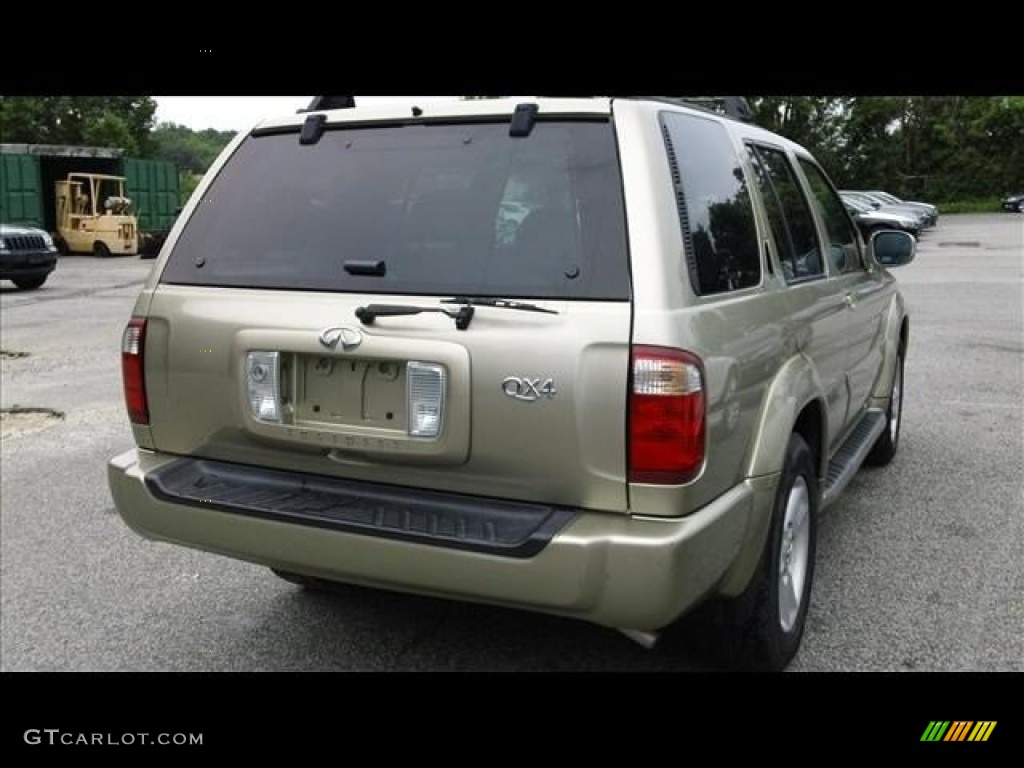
pixel 761 629
pixel 885 447
pixel 29 283
pixel 100 249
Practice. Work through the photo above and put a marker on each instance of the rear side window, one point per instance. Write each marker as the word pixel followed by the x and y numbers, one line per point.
pixel 788 214
pixel 843 250
pixel 444 209
pixel 714 205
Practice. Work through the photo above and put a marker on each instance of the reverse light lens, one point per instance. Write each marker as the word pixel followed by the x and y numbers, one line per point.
pixel 263 381
pixel 665 376
pixel 426 392
pixel 131 340
pixel 666 416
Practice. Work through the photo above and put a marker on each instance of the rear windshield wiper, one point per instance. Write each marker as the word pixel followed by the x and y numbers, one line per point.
pixel 371 312
pixel 461 316
pixel 486 301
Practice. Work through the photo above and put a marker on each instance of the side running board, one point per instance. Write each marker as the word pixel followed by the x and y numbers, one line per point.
pixel 851 455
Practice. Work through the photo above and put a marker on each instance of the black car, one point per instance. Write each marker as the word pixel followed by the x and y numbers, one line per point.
pixel 1014 203
pixel 27 256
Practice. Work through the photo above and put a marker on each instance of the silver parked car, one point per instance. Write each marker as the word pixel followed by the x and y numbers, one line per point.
pixel 930 210
pixel 876 219
pixel 919 217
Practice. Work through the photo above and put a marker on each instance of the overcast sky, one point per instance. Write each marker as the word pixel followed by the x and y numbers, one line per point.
pixel 234 113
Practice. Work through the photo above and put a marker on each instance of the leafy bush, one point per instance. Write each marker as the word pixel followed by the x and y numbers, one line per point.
pixel 984 205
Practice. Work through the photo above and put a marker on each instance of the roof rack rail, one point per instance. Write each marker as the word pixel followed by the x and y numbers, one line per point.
pixel 736 107
pixel 329 102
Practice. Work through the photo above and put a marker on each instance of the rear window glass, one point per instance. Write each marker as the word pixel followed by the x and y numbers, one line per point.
pixel 448 208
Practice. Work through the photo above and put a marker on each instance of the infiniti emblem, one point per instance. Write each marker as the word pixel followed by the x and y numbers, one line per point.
pixel 349 337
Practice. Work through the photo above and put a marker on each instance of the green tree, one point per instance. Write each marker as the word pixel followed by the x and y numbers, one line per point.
pixel 937 148
pixel 115 121
pixel 872 151
pixel 816 122
pixel 109 131
pixel 191 151
pixel 940 148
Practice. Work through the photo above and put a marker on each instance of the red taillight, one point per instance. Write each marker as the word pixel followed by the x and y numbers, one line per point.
pixel 133 347
pixel 666 416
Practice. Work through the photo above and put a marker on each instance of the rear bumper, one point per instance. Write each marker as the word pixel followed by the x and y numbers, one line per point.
pixel 616 570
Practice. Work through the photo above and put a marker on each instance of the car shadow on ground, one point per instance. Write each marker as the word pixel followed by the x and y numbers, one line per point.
pixel 6 287
pixel 411 632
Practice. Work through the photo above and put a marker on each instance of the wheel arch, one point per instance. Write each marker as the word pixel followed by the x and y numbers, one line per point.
pixel 794 405
pixel 897 340
pixel 810 425
pixel 794 398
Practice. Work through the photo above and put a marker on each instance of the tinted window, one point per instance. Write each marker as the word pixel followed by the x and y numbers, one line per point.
pixel 714 205
pixel 788 214
pixel 449 209
pixel 843 250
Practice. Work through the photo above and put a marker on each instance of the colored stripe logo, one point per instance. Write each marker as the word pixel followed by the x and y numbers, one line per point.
pixel 958 730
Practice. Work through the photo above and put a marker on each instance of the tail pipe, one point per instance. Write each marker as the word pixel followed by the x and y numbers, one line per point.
pixel 647 639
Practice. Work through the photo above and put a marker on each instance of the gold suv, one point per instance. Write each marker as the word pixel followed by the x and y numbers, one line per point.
pixel 604 358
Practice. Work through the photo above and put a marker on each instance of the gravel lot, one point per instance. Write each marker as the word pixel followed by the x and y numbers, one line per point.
pixel 919 564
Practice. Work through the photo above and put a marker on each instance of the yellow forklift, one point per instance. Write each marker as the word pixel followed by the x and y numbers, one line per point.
pixel 94 216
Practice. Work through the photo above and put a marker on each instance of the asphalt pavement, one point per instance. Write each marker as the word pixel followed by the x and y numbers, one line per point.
pixel 919 563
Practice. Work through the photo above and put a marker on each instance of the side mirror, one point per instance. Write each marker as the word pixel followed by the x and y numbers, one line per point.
pixel 893 248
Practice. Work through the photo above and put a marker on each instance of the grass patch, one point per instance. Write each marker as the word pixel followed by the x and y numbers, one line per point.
pixel 985 205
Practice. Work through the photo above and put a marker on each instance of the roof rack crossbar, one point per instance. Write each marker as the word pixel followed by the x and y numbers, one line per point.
pixel 736 107
pixel 329 102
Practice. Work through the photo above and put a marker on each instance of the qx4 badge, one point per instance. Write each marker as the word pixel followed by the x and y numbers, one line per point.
pixel 528 389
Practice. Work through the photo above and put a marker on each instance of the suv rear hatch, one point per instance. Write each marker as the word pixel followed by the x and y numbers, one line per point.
pixel 266 343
